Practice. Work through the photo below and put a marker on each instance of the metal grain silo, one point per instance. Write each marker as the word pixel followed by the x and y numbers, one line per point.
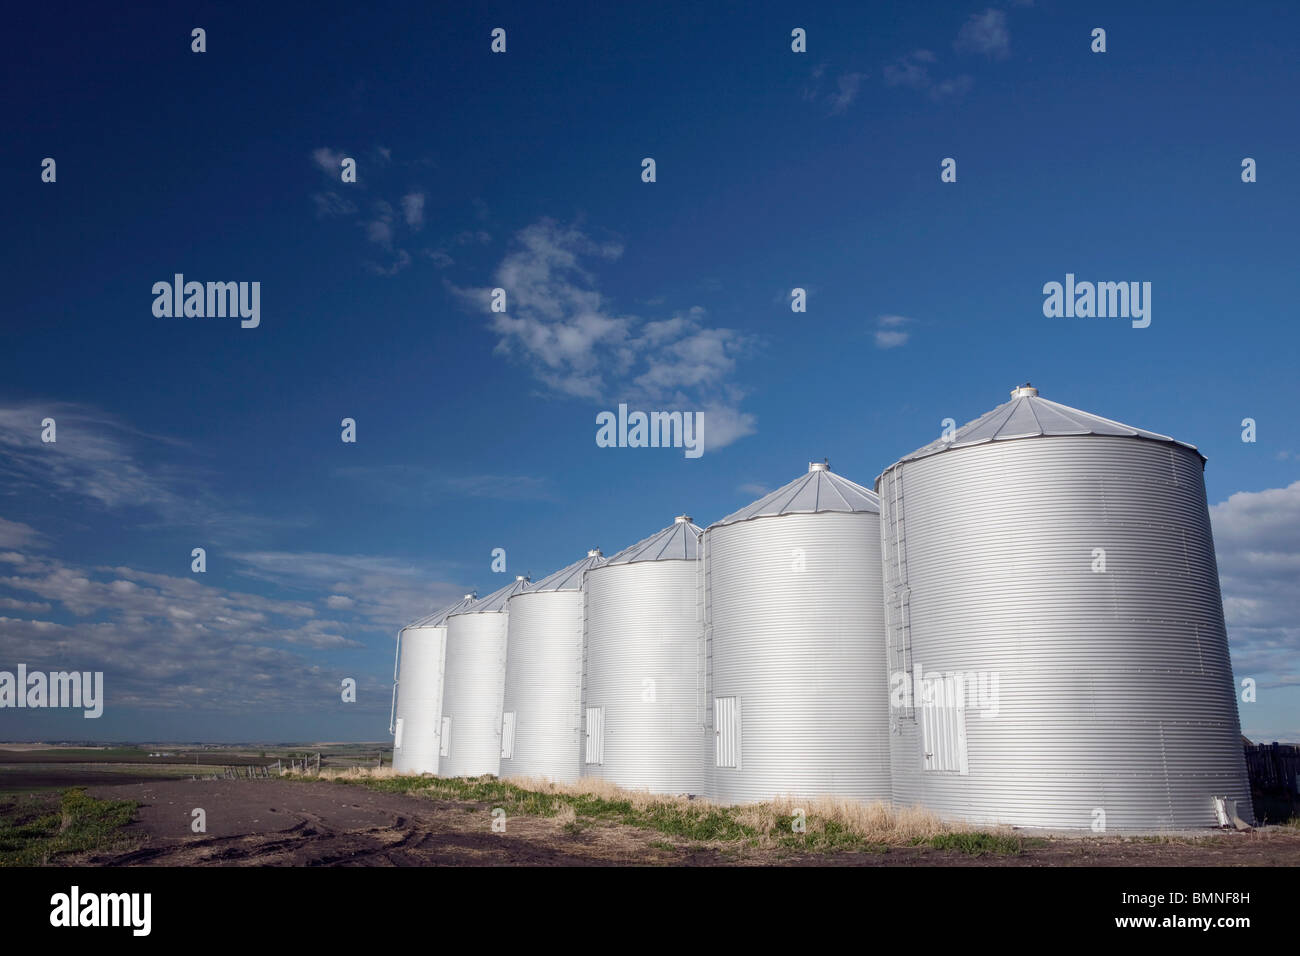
pixel 417 690
pixel 473 683
pixel 1056 640
pixel 541 723
pixel 643 721
pixel 795 630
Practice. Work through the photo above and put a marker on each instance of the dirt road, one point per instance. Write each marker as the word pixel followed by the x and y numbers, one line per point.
pixel 295 823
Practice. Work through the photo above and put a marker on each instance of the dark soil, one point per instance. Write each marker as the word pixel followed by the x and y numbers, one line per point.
pixel 296 823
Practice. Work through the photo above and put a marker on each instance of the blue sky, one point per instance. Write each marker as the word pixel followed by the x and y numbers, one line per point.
pixel 775 170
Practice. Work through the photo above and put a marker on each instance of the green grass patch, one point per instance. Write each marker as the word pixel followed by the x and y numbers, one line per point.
pixel 697 823
pixel 35 829
pixel 978 843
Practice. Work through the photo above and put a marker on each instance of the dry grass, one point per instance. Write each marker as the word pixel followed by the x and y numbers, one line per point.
pixel 873 823
pixel 604 790
pixel 876 823
pixel 351 773
pixel 827 822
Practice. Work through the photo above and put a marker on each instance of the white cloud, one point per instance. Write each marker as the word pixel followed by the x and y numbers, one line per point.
pixel 330 204
pixel 840 97
pixel 912 71
pixel 386 592
pixel 413 209
pixel 380 229
pixel 889 333
pixel 329 160
pixel 383 226
pixel 724 424
pixel 577 344
pixel 848 86
pixel 15 534
pixel 102 462
pixel 986 34
pixel 170 642
pixel 1257 543
pixel 91 458
pixel 400 260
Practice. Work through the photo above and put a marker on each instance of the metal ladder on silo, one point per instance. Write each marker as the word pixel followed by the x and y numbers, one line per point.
pixel 898 610
pixel 703 660
pixel 397 655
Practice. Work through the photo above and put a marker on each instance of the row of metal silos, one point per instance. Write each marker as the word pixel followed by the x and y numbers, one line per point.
pixel 951 643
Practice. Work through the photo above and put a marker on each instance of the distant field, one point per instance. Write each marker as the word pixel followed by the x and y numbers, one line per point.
pixel 37 767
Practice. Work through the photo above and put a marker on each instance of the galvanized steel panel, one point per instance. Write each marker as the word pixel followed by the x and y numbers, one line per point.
pixel 473 686
pixel 819 490
pixel 496 601
pixel 796 633
pixel 1114 689
pixel 569 578
pixel 1028 415
pixel 543 685
pixel 419 699
pixel 642 668
pixel 678 541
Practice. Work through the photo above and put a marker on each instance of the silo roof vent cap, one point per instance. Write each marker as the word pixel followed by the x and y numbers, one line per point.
pixel 1024 391
pixel 682 519
pixel 823 465
pixel 594 553
pixel 521 577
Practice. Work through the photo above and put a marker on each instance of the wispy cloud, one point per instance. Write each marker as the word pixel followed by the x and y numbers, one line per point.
pixel 889 332
pixel 413 209
pixel 15 534
pixel 847 87
pixel 578 344
pixel 178 643
pixel 330 205
pixel 912 71
pixel 388 226
pixel 985 34
pixel 90 458
pixel 377 593
pixel 837 97
pixel 329 160
pixel 100 463
pixel 1257 543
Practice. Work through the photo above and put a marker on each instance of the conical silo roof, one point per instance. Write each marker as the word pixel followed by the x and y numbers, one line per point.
pixel 439 618
pixel 570 578
pixel 496 601
pixel 677 542
pixel 1028 415
pixel 820 489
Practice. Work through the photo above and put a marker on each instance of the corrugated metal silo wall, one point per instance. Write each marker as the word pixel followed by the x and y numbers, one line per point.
pixel 643 667
pixel 1114 688
pixel 797 636
pixel 544 684
pixel 473 686
pixel 419 699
